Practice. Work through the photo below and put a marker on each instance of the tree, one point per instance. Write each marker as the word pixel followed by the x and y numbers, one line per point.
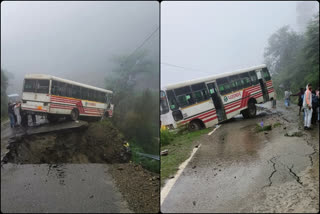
pixel 4 96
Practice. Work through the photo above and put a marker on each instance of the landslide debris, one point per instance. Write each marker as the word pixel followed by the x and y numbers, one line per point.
pixel 100 142
pixel 140 187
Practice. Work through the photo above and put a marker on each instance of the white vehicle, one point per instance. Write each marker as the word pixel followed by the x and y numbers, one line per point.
pixel 56 97
pixel 204 102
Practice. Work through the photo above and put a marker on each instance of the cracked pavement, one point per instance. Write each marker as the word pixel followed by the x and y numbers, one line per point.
pixel 238 170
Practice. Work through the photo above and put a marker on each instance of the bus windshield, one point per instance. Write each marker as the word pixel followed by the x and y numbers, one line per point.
pixel 164 107
pixel 36 86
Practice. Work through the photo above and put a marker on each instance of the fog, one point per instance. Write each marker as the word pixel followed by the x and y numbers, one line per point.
pixel 208 38
pixel 74 40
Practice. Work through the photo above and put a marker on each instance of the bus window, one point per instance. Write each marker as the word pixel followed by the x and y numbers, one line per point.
pixel 76 91
pixel 164 107
pixel 224 86
pixel 62 89
pixel 253 77
pixel 42 86
pixel 68 90
pixel 84 93
pixel 172 100
pixel 266 74
pixel 246 79
pixel 29 85
pixel 200 92
pixel 184 96
pixel 235 83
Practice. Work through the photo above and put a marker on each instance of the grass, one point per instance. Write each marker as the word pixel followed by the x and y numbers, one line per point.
pixel 147 163
pixel 276 125
pixel 180 148
pixel 264 128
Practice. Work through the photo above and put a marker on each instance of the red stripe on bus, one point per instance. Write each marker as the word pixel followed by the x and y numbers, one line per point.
pixel 201 115
pixel 208 120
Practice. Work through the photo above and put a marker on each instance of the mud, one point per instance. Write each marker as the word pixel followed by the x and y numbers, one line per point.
pixel 139 187
pixel 100 142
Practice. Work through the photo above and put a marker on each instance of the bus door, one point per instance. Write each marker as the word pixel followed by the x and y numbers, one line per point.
pixel 216 98
pixel 263 86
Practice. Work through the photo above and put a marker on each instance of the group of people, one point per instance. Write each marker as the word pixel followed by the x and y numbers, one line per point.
pixel 17 117
pixel 308 102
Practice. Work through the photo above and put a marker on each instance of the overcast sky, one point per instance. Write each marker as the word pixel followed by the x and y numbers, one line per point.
pixel 217 37
pixel 74 40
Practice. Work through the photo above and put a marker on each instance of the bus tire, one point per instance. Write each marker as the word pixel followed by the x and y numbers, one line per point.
pixel 194 126
pixel 252 109
pixel 74 114
pixel 245 114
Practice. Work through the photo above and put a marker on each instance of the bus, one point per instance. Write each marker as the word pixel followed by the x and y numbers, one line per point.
pixel 205 102
pixel 55 97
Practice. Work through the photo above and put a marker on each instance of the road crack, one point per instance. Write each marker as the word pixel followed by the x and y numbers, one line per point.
pixel 297 178
pixel 272 173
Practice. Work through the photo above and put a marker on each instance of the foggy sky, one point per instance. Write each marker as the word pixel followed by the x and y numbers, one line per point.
pixel 73 40
pixel 217 37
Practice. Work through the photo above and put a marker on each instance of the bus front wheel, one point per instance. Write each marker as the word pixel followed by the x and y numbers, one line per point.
pixel 74 114
pixel 194 126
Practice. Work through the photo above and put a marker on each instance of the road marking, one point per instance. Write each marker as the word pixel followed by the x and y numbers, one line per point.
pixel 214 130
pixel 166 189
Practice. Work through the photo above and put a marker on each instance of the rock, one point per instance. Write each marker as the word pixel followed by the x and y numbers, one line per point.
pixel 194 203
pixel 91 196
pixel 120 168
pixel 164 152
pixel 172 176
pixel 196 146
pixel 194 167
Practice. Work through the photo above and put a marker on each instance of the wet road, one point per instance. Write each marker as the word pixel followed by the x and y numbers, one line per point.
pixel 235 165
pixel 73 188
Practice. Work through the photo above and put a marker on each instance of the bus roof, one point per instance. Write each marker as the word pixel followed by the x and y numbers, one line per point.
pixel 212 78
pixel 50 77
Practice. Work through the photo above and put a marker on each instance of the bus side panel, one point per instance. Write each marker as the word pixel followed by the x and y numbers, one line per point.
pixel 197 109
pixel 211 122
pixel 270 89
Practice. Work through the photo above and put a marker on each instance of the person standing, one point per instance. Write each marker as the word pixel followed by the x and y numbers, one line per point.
pixel 16 110
pixel 315 103
pixel 307 106
pixel 11 114
pixel 287 95
pixel 274 101
pixel 299 94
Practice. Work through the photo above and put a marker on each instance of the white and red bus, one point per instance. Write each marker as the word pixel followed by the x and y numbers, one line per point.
pixel 204 102
pixel 56 97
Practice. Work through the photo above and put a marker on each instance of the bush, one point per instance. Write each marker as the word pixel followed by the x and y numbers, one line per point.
pixel 263 128
pixel 166 137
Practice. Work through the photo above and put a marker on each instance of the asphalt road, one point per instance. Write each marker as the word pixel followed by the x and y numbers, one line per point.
pixel 41 188
pixel 235 166
pixel 66 188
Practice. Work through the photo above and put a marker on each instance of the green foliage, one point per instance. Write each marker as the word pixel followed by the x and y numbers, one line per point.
pixel 276 125
pixel 263 128
pixel 147 163
pixel 136 111
pixel 166 137
pixel 293 59
pixel 4 96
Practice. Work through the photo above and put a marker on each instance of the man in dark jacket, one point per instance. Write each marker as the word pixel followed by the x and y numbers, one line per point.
pixel 299 94
pixel 11 114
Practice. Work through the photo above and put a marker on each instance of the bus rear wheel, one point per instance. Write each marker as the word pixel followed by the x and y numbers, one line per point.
pixel 74 114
